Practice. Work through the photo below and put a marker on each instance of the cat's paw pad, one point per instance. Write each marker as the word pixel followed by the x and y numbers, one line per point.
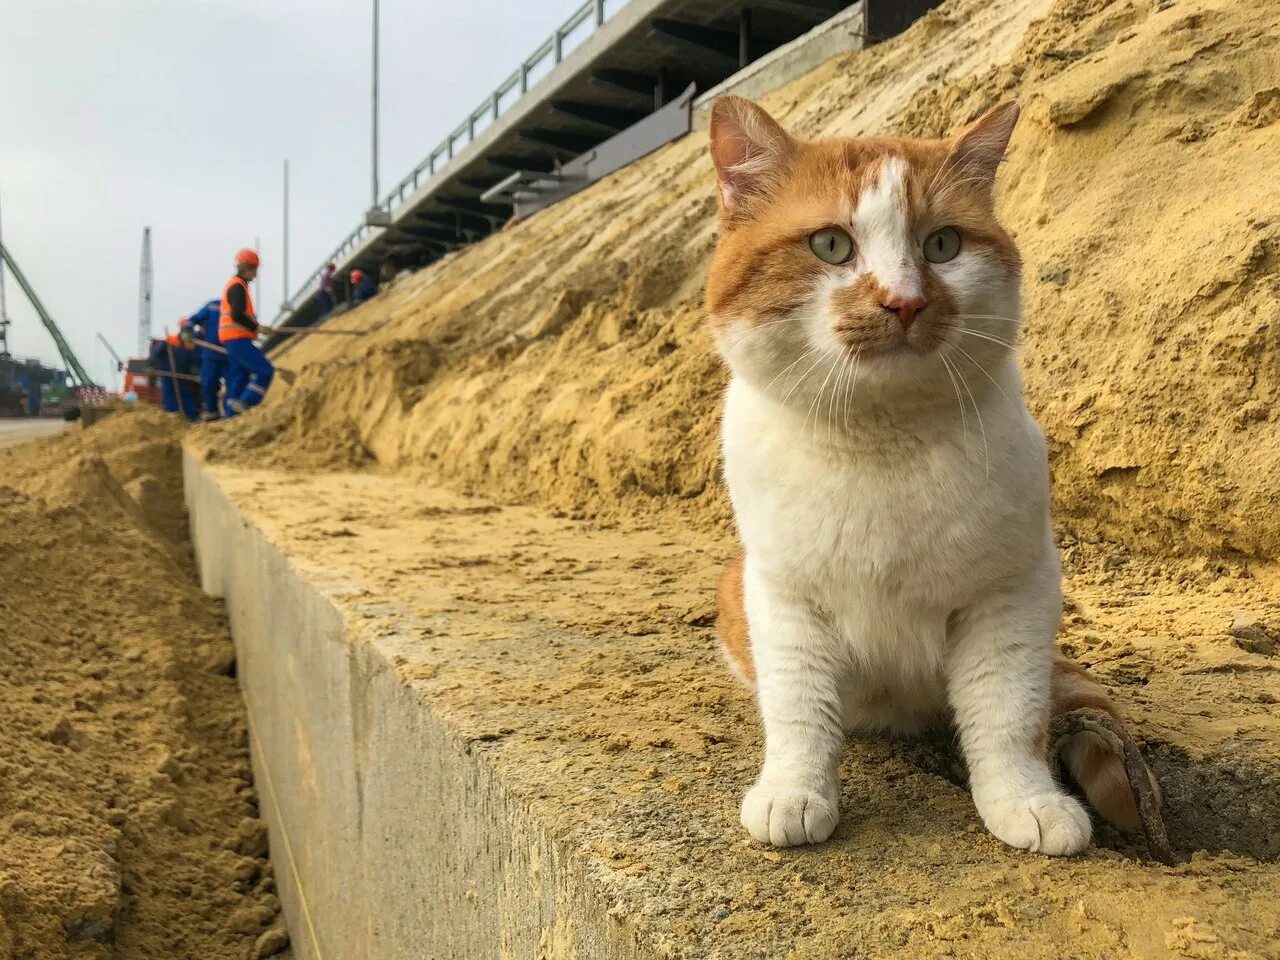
pixel 1049 823
pixel 788 816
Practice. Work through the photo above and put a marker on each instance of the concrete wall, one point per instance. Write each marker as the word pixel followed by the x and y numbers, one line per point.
pixel 390 840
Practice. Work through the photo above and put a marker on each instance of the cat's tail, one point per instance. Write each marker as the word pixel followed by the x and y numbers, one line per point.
pixel 1092 762
pixel 731 622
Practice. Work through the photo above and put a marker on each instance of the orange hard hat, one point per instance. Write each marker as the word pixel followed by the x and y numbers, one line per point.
pixel 247 258
pixel 357 276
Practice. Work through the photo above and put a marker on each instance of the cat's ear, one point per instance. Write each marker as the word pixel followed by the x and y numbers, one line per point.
pixel 749 149
pixel 977 152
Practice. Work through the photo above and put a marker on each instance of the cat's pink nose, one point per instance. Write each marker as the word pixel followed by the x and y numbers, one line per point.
pixel 905 307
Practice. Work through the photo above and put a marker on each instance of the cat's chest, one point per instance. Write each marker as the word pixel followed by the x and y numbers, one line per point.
pixel 920 519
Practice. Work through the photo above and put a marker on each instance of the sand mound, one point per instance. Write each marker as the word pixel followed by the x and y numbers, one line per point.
pixel 130 823
pixel 1139 186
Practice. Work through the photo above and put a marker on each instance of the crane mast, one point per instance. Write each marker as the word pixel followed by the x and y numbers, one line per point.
pixel 144 295
pixel 4 309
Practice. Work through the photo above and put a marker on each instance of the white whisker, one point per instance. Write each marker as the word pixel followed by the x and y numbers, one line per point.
pixel 805 376
pixel 789 367
pixel 964 417
pixel 982 335
pixel 986 453
pixel 993 380
pixel 817 400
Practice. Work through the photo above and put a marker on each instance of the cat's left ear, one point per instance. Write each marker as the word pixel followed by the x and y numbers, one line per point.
pixel 978 151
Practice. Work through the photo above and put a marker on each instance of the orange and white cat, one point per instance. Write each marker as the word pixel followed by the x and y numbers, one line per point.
pixel 890 488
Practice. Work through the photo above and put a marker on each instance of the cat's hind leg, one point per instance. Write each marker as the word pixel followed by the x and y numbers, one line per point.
pixel 999 687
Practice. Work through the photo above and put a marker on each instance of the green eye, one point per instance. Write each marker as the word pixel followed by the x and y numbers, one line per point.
pixel 832 245
pixel 942 245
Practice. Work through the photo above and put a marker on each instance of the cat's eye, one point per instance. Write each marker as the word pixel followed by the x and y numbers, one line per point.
pixel 942 245
pixel 832 245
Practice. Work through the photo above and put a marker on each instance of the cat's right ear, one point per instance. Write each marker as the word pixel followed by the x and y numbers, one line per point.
pixel 749 149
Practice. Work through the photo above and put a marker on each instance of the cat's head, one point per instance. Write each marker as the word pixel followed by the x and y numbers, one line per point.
pixel 879 261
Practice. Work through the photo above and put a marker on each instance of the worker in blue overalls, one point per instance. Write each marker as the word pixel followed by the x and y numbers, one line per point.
pixel 249 372
pixel 213 362
pixel 176 354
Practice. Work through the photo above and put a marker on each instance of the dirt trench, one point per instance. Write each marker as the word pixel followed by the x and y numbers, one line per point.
pixel 131 825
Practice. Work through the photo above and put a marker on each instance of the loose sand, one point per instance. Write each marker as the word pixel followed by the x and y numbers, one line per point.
pixel 130 825
pixel 562 366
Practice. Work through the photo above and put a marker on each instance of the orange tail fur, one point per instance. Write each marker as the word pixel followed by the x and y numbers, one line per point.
pixel 1092 763
pixel 731 623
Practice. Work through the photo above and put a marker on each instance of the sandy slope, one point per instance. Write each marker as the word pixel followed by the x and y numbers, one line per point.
pixel 563 365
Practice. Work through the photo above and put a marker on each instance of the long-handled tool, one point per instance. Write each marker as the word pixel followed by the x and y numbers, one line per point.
pixel 152 371
pixel 288 376
pixel 311 330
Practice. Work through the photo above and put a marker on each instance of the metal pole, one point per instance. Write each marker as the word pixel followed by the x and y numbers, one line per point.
pixel 144 295
pixel 4 310
pixel 374 201
pixel 4 313
pixel 284 266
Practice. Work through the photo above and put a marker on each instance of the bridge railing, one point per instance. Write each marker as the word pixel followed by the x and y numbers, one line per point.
pixel 574 31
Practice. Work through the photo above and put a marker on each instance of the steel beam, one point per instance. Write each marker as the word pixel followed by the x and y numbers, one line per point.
pixel 456 219
pixel 467 205
pixel 628 81
pixel 719 45
pixel 533 164
pixel 571 143
pixel 818 10
pixel 610 118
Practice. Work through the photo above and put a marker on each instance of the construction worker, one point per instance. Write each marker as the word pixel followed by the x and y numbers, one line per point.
pixel 213 363
pixel 326 288
pixel 249 372
pixel 363 287
pixel 176 354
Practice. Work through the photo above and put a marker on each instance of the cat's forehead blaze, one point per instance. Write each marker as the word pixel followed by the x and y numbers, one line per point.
pixel 763 268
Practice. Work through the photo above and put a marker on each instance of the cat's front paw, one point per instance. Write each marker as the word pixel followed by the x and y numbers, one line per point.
pixel 1050 823
pixel 789 816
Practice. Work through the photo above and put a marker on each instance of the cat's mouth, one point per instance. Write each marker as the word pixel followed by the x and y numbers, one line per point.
pixel 887 343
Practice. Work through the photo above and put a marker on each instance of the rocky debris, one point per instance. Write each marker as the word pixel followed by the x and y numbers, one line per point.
pixel 270 943
pixel 1254 635
pixel 251 838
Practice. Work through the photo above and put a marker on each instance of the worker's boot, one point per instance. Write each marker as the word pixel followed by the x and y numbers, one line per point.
pixel 208 416
pixel 238 405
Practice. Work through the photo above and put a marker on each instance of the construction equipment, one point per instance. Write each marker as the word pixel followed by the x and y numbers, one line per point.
pixel 312 330
pixel 144 294
pixel 75 368
pixel 114 356
pixel 4 311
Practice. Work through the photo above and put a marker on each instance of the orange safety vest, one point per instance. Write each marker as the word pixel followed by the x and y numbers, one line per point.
pixel 228 329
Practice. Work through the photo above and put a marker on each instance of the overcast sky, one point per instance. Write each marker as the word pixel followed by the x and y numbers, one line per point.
pixel 177 114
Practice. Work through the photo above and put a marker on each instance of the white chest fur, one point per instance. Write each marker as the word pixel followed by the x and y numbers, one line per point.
pixel 886 529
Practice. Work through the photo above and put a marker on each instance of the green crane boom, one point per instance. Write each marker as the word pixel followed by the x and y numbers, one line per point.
pixel 74 367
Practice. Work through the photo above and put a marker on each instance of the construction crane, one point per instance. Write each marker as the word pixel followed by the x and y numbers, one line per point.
pixel 4 312
pixel 74 368
pixel 111 350
pixel 144 295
